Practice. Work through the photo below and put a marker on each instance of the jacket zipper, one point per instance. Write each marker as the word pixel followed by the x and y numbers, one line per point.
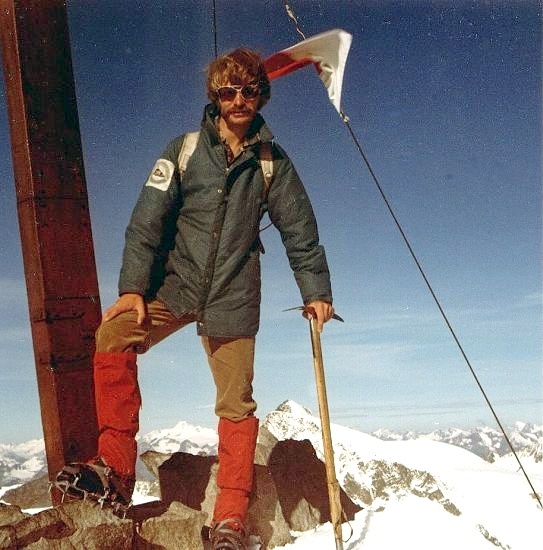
pixel 216 231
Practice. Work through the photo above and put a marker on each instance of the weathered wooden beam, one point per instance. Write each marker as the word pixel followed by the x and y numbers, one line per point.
pixel 54 221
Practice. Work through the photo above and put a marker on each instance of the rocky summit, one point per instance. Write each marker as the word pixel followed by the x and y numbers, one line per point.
pixel 290 495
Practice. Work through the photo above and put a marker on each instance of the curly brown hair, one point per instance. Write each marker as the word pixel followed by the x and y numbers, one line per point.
pixel 240 66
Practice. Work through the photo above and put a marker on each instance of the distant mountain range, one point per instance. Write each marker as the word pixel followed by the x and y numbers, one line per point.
pixel 488 443
pixel 23 462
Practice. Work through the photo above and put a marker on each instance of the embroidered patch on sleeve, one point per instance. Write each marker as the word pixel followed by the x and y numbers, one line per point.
pixel 161 175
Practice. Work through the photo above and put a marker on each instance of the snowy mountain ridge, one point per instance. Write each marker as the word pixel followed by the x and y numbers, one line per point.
pixel 434 494
pixel 183 437
pixel 23 462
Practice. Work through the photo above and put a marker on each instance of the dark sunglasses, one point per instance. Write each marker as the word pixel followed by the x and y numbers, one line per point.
pixel 228 93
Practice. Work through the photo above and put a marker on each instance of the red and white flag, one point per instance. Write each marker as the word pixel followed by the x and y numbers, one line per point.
pixel 327 51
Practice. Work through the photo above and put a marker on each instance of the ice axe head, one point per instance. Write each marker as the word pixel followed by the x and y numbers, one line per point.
pixel 310 313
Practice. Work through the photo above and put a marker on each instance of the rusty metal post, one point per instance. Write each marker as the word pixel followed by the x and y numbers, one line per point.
pixel 54 221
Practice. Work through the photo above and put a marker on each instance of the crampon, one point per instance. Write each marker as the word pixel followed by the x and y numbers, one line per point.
pixel 228 535
pixel 97 482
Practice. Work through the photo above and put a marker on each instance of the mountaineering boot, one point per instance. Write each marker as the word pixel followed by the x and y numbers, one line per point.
pixel 237 441
pixel 95 480
pixel 118 403
pixel 109 478
pixel 228 535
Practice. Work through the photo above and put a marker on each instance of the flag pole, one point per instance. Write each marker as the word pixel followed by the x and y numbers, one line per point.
pixel 332 483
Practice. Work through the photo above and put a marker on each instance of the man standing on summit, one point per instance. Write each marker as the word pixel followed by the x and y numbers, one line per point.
pixel 192 255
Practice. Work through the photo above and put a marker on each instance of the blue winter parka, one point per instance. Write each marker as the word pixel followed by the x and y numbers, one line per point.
pixel 192 240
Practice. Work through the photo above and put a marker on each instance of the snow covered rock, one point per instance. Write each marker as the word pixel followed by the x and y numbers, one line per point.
pixel 424 488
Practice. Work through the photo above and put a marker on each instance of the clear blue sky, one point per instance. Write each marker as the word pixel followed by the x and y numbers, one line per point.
pixel 445 97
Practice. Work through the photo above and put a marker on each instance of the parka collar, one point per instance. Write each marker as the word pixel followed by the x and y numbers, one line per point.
pixel 258 132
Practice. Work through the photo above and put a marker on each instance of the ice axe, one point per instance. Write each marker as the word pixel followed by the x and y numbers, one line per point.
pixel 336 512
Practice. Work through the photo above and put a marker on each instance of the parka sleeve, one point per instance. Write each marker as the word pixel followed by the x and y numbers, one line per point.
pixel 152 225
pixel 291 212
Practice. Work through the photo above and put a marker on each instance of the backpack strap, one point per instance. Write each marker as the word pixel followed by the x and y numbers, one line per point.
pixel 187 148
pixel 266 158
pixel 266 164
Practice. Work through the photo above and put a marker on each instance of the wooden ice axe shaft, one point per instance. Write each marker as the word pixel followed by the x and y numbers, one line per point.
pixel 333 485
